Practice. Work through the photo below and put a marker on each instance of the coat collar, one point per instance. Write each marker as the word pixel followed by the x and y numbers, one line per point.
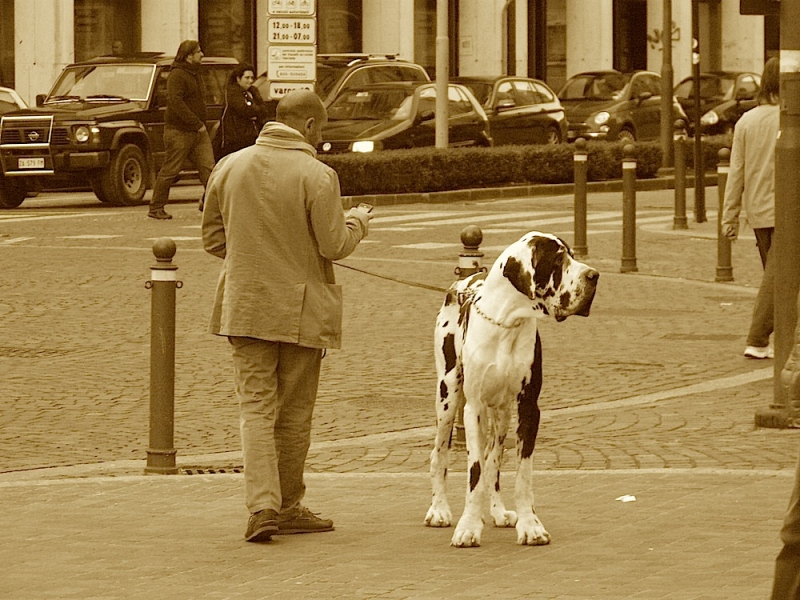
pixel 279 135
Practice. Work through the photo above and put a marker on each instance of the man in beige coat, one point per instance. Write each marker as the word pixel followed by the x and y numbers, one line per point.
pixel 273 213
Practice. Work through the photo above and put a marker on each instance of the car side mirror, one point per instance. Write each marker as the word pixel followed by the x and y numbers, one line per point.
pixel 644 96
pixel 505 104
pixel 40 98
pixel 744 95
pixel 425 115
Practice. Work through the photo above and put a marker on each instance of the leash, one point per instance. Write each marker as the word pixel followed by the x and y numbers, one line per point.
pixel 424 286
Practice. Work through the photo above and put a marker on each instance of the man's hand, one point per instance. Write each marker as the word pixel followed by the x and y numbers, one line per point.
pixel 730 230
pixel 363 216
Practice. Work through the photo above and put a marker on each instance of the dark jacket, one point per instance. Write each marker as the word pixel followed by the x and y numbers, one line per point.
pixel 244 115
pixel 186 106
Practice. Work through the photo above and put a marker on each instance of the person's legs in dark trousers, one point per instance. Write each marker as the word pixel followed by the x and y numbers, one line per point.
pixel 178 145
pixel 786 585
pixel 762 322
pixel 202 157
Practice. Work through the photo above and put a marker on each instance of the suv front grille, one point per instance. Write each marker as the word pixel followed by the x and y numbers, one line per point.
pixel 26 130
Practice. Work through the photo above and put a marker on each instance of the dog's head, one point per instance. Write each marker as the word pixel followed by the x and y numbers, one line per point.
pixel 543 268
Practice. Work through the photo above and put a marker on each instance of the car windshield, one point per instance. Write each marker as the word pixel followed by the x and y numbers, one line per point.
pixel 710 87
pixel 383 104
pixel 327 76
pixel 103 83
pixel 595 86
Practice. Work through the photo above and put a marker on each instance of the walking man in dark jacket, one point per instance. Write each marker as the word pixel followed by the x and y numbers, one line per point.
pixel 185 133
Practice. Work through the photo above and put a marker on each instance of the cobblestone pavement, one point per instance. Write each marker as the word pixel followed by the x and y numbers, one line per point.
pixel 649 396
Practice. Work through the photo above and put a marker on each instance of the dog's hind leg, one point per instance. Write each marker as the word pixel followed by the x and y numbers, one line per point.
pixel 494 461
pixel 449 398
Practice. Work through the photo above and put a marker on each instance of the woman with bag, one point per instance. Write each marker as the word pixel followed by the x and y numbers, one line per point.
pixel 244 114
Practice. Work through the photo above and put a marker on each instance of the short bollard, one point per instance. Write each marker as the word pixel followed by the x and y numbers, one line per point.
pixel 470 261
pixel 163 282
pixel 724 266
pixel 628 209
pixel 679 221
pixel 580 247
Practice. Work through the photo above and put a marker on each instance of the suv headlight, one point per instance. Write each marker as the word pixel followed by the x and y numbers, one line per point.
pixel 86 133
pixel 710 118
pixel 601 117
pixel 364 146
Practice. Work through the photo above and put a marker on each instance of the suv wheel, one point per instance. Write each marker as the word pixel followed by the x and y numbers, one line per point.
pixel 11 194
pixel 124 182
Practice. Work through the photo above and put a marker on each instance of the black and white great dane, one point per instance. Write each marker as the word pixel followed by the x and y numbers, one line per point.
pixel 488 359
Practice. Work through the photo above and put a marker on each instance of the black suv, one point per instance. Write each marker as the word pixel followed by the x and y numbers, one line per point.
pixel 101 124
pixel 338 72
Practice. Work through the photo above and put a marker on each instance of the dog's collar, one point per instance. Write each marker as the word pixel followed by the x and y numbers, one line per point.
pixel 469 294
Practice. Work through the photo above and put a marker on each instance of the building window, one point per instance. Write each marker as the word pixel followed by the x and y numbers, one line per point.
pixel 227 28
pixel 339 25
pixel 106 27
pixel 7 43
pixel 556 43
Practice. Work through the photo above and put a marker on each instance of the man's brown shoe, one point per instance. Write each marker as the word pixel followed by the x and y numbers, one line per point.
pixel 160 214
pixel 303 522
pixel 262 526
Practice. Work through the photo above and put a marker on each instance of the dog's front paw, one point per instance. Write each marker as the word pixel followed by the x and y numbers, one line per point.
pixel 467 535
pixel 506 518
pixel 438 517
pixel 531 532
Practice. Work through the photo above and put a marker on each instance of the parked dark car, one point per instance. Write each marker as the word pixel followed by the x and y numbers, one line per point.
pixel 520 110
pixel 102 124
pixel 609 105
pixel 386 116
pixel 724 97
pixel 337 72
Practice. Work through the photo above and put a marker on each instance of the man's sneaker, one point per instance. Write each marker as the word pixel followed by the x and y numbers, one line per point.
pixel 759 352
pixel 262 526
pixel 303 522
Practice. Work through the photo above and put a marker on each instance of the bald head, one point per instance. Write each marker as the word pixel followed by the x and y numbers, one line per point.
pixel 304 111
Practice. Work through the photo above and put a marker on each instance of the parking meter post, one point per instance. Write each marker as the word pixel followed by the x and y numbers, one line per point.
pixel 580 247
pixel 724 266
pixel 163 282
pixel 470 261
pixel 679 221
pixel 628 209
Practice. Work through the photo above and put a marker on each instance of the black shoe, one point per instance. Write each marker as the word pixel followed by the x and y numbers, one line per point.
pixel 303 522
pixel 262 526
pixel 160 214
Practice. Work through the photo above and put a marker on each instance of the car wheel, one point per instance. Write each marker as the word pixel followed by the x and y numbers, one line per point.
pixel 553 136
pixel 11 194
pixel 626 135
pixel 97 188
pixel 124 182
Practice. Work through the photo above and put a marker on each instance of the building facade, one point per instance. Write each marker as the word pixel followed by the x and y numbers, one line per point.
pixel 548 39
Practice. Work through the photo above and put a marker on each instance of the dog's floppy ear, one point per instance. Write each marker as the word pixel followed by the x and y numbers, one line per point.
pixel 547 261
pixel 518 276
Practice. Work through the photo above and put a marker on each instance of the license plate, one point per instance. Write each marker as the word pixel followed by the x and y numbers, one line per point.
pixel 31 163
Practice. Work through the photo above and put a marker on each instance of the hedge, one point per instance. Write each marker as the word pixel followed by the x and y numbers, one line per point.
pixel 432 170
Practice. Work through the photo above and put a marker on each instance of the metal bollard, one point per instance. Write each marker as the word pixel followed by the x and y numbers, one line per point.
pixel 679 221
pixel 724 266
pixel 470 261
pixel 163 282
pixel 628 209
pixel 580 247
